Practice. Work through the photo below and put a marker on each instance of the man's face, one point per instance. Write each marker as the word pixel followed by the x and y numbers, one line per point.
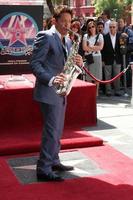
pixel 104 16
pixel 63 23
pixel 100 28
pixel 113 28
pixel 121 23
pixel 81 19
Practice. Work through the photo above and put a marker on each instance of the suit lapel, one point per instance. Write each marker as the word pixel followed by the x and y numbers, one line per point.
pixel 110 41
pixel 68 45
pixel 116 42
pixel 58 41
pixel 60 46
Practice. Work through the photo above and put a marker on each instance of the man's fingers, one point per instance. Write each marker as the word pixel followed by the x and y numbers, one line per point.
pixel 59 79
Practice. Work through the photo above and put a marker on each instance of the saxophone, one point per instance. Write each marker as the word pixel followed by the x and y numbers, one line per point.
pixel 71 70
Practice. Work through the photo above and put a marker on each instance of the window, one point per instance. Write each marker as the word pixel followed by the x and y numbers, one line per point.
pixel 87 2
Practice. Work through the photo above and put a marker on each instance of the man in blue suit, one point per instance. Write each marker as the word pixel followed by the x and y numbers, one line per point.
pixel 48 60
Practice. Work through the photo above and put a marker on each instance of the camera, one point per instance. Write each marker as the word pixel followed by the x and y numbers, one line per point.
pixel 123 43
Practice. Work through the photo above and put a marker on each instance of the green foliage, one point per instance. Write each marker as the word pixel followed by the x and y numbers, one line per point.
pixel 118 8
pixel 58 2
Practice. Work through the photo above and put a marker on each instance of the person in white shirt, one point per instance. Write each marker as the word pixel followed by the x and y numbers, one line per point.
pixel 93 44
pixel 106 20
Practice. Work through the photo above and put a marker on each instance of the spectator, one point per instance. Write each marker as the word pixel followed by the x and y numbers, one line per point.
pixel 100 27
pixel 112 58
pixel 106 20
pixel 127 32
pixel 84 27
pixel 50 22
pixel 93 44
pixel 81 20
pixel 130 26
pixel 75 27
pixel 44 24
pixel 100 19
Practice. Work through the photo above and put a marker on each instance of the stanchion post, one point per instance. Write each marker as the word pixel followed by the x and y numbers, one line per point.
pixel 125 79
pixel 123 50
pixel 131 64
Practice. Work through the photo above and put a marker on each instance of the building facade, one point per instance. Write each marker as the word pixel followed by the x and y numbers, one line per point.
pixel 82 7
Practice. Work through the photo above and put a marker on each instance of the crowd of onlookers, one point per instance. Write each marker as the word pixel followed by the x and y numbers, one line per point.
pixel 109 42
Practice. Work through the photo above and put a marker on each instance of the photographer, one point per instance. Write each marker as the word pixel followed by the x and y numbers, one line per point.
pixel 127 37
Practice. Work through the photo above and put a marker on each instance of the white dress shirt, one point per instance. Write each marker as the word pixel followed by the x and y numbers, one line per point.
pixel 106 26
pixel 113 40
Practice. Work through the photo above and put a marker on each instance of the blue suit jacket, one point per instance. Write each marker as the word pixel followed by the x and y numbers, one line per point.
pixel 47 61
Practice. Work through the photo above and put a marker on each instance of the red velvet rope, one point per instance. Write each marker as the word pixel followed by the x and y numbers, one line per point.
pixel 107 81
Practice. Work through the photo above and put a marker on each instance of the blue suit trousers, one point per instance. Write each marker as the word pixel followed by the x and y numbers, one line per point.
pixel 53 120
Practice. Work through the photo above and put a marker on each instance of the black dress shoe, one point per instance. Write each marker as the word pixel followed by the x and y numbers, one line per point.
pixel 49 177
pixel 61 167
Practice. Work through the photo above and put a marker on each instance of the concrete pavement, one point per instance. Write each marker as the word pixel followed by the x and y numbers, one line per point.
pixel 115 122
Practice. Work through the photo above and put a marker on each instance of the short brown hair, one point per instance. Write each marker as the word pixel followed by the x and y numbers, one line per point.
pixel 76 24
pixel 58 11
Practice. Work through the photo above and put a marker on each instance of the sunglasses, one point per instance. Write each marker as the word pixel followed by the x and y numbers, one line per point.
pixel 91 27
pixel 112 27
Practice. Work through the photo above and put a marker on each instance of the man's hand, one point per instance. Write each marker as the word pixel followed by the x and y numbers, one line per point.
pixel 124 34
pixel 59 79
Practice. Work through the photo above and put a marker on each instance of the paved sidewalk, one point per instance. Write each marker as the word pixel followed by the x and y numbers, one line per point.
pixel 115 122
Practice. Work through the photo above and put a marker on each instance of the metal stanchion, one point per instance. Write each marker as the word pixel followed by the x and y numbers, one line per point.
pixel 83 74
pixel 125 79
pixel 123 50
pixel 131 64
pixel 131 102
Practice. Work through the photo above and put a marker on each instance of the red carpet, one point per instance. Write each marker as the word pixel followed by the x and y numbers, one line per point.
pixel 16 141
pixel 115 183
pixel 21 121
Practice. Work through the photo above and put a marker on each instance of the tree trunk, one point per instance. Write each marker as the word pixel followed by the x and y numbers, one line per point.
pixel 50 5
pixel 65 2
